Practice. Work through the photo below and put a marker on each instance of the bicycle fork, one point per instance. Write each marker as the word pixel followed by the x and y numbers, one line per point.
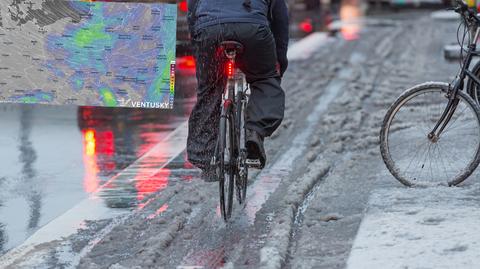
pixel 447 114
pixel 453 101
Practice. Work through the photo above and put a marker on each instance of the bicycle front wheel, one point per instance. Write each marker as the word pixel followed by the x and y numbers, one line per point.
pixel 411 156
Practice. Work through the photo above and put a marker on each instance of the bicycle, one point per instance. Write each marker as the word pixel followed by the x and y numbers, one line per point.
pixel 230 157
pixel 431 133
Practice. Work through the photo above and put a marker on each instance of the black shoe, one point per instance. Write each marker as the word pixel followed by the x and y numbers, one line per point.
pixel 256 156
pixel 209 175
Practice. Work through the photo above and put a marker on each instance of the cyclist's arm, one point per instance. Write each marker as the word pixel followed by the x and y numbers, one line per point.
pixel 280 29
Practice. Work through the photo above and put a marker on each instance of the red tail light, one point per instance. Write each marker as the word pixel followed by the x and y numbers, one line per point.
pixel 186 62
pixel 230 69
pixel 183 6
pixel 306 26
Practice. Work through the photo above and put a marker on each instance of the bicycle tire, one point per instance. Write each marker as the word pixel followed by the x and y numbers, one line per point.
pixel 241 180
pixel 226 164
pixel 408 95
pixel 473 89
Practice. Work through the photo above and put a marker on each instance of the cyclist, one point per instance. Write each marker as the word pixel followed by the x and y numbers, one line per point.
pixel 262 27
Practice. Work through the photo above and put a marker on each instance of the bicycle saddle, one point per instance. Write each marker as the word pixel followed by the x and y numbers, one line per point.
pixel 232 46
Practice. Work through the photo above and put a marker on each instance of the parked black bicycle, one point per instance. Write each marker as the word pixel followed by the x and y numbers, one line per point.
pixel 230 158
pixel 431 134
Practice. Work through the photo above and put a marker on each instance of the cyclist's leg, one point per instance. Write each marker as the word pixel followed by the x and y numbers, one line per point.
pixel 266 106
pixel 204 119
pixel 265 109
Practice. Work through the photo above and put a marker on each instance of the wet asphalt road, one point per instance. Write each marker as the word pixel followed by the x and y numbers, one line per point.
pixel 54 157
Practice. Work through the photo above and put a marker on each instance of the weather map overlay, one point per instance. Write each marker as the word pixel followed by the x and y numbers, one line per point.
pixel 87 53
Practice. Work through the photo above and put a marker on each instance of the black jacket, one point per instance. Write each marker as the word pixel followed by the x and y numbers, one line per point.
pixel 204 13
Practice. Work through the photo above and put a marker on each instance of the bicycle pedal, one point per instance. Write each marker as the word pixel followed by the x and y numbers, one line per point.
pixel 253 163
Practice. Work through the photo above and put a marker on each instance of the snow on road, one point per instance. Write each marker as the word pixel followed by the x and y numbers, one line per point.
pixel 434 227
pixel 306 47
pixel 388 61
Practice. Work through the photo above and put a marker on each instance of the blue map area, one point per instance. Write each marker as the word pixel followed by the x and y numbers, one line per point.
pixel 111 54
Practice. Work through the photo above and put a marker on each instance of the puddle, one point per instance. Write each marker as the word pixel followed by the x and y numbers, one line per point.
pixel 56 157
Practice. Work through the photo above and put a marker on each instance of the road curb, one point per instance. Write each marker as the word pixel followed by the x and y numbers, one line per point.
pixel 433 227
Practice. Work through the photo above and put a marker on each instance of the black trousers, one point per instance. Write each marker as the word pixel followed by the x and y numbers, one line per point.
pixel 266 105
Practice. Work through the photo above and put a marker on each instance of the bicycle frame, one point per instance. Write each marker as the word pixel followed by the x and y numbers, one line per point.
pixel 458 83
pixel 230 157
pixel 229 98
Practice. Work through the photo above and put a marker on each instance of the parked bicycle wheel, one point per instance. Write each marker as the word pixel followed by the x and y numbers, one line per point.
pixel 415 159
pixel 227 164
pixel 473 89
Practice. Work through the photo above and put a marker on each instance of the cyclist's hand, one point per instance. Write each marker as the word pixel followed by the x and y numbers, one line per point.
pixel 277 67
pixel 282 65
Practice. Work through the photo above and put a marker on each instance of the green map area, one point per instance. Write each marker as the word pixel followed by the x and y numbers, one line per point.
pixel 87 53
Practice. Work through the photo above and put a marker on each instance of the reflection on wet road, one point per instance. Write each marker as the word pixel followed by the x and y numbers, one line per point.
pixel 55 157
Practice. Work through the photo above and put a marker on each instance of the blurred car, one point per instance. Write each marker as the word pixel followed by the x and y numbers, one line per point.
pixel 183 34
pixel 186 81
pixel 307 16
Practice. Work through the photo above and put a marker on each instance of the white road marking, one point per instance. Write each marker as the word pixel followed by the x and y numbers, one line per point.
pixel 433 227
pixel 304 48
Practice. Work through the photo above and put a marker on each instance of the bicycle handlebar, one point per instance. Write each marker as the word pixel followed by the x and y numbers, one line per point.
pixel 463 9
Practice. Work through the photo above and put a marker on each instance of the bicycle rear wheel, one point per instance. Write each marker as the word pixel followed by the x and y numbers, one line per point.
pixel 411 156
pixel 242 175
pixel 227 164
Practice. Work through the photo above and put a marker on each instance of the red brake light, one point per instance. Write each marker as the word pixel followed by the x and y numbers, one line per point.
pixel 186 62
pixel 230 69
pixel 183 6
pixel 306 26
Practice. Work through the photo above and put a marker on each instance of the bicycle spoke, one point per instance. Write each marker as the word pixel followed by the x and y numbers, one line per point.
pixel 452 123
pixel 415 157
pixel 458 127
pixel 440 157
pixel 408 142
